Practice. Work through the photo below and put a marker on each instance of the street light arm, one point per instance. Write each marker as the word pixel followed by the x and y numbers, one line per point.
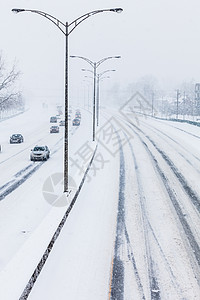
pixel 82 18
pixel 94 64
pixel 102 78
pixel 51 18
pixel 100 74
pixel 106 58
pixel 86 70
pixel 73 24
pixel 84 58
pixel 88 77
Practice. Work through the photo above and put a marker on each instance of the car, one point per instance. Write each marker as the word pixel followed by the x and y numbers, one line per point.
pixel 78 116
pixel 39 153
pixel 53 120
pixel 54 129
pixel 69 117
pixel 76 122
pixel 62 123
pixel 16 138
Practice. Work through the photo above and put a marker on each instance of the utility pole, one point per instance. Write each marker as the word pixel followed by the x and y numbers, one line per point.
pixel 177 98
pixel 162 108
pixel 184 106
pixel 152 104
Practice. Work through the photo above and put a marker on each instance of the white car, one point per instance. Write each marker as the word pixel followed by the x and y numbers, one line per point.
pixel 40 153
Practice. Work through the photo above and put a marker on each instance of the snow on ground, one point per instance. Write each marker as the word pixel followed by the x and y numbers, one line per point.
pixel 79 267
pixel 155 251
pixel 27 219
pixel 25 208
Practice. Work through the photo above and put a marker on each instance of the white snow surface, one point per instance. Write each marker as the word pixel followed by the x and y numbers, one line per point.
pixel 80 264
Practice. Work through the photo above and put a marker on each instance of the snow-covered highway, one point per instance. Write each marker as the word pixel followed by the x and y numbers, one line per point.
pixel 133 232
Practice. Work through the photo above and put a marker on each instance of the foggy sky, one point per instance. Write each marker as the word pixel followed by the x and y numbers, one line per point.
pixel 157 37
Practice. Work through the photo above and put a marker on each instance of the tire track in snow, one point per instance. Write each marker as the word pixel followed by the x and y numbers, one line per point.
pixel 189 191
pixel 147 227
pixel 153 281
pixel 192 195
pixel 191 245
pixel 21 151
pixel 185 131
pixel 116 290
pixel 117 287
pixel 118 271
pixel 186 227
pixel 180 145
pixel 21 176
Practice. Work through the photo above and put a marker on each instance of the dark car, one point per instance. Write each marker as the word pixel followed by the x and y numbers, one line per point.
pixel 40 153
pixel 53 120
pixel 54 129
pixel 76 122
pixel 16 138
pixel 78 116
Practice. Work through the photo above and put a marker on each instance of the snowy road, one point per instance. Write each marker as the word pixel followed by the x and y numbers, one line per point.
pixel 157 249
pixel 133 232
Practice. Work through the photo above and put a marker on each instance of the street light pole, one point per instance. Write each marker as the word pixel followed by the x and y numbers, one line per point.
pixel 66 142
pixel 177 104
pixel 94 65
pixel 98 90
pixel 98 80
pixel 66 29
pixel 152 104
pixel 94 104
pixel 98 76
pixel 88 83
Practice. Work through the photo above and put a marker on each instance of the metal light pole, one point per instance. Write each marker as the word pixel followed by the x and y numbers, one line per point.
pixel 99 78
pixel 177 98
pixel 88 83
pixel 94 65
pixel 152 104
pixel 66 29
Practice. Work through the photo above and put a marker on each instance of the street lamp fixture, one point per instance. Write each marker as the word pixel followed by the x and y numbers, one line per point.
pixel 94 65
pixel 17 10
pixel 66 29
pixel 118 10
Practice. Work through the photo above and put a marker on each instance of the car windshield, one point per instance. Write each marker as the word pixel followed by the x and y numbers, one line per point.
pixel 37 148
pixel 16 135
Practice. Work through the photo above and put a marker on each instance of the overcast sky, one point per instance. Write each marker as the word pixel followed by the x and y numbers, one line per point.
pixel 157 37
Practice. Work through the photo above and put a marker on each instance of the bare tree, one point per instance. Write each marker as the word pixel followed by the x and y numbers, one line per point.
pixel 10 97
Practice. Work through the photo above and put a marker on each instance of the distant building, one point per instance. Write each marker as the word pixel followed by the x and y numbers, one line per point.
pixel 197 97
